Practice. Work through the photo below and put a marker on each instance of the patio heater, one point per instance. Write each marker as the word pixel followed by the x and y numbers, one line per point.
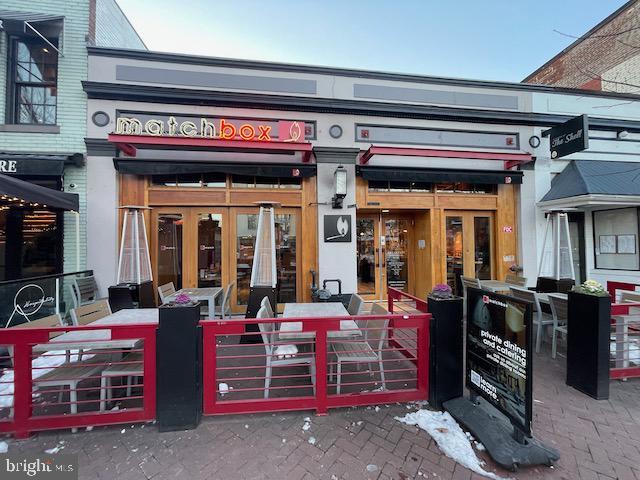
pixel 134 288
pixel 556 272
pixel 264 275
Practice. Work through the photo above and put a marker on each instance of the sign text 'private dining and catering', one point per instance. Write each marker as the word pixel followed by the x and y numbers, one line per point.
pixel 499 354
pixel 570 137
pixel 215 128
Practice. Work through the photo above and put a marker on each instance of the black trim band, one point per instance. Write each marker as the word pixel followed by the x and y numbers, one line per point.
pixel 436 175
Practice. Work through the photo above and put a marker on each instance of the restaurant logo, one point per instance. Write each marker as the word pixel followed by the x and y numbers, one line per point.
pixel 337 228
pixel 215 129
pixel 570 137
pixel 28 301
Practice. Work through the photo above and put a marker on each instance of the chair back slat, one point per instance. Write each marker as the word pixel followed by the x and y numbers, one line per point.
pixel 166 290
pixel 515 280
pixel 527 295
pixel 470 282
pixel 627 296
pixel 266 330
pixel 559 308
pixel 376 330
pixel 86 289
pixel 355 304
pixel 90 313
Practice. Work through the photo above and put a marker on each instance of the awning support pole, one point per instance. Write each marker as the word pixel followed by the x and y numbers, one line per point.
pixel 77 214
pixel 44 38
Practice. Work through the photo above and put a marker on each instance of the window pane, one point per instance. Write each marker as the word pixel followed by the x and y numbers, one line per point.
pixel 286 241
pixel 214 180
pixel 455 264
pixel 616 239
pixel 379 185
pixel 399 186
pixel 246 229
pixel 242 181
pixel 291 182
pixel 420 187
pixel 170 249
pixel 192 180
pixel 366 256
pixel 31 114
pixel 210 250
pixel 164 180
pixel 482 242
pixel 266 182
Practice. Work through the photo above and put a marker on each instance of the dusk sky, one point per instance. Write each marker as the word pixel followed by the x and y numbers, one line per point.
pixel 491 39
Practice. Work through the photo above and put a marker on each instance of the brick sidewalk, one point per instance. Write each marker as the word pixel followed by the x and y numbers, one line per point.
pixel 597 440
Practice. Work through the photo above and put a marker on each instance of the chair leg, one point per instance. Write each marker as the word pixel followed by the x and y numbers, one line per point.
pixel 73 401
pixel 103 393
pixel 312 368
pixel 339 377
pixel 538 336
pixel 381 366
pixel 554 340
pixel 267 380
pixel 129 378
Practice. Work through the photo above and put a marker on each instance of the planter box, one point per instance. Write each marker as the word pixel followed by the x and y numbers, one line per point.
pixel 446 362
pixel 589 330
pixel 179 368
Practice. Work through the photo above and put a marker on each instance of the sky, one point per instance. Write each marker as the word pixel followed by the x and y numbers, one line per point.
pixel 502 40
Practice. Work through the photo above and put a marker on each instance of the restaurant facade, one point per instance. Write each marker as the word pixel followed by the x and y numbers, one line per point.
pixel 380 180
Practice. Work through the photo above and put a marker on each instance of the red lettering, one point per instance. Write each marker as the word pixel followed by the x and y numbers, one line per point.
pixel 227 130
pixel 247 132
pixel 265 133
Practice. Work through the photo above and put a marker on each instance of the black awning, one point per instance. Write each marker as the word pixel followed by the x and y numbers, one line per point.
pixel 433 175
pixel 32 164
pixel 48 25
pixel 595 177
pixel 167 167
pixel 13 188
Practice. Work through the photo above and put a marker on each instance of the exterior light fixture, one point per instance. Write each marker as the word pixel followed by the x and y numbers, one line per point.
pixel 340 186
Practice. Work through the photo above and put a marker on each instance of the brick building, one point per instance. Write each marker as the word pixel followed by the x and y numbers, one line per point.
pixel 606 58
pixel 43 116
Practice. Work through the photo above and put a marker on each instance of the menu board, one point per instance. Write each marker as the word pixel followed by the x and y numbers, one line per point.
pixel 499 353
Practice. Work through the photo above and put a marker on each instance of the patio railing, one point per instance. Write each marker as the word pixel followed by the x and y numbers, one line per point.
pixel 48 382
pixel 402 302
pixel 293 373
pixel 624 341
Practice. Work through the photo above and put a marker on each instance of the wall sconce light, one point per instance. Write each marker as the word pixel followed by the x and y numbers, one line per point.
pixel 340 186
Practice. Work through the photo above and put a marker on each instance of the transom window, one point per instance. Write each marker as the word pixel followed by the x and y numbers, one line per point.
pixel 219 180
pixel 400 186
pixel 33 82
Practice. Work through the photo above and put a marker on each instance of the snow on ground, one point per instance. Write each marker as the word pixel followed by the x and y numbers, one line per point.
pixel 40 366
pixel 451 439
pixel 4 447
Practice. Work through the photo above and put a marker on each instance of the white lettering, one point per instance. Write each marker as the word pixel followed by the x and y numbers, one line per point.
pixel 188 129
pixel 128 126
pixel 8 166
pixel 154 127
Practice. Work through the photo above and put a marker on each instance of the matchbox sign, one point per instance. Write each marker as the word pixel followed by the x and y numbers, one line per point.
pixel 214 128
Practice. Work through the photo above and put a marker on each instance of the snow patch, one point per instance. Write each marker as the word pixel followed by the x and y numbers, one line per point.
pixel 55 449
pixel 451 439
pixel 4 447
pixel 223 388
pixel 312 440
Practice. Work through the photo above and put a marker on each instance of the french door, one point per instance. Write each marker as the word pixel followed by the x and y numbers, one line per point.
pixel 469 246
pixel 384 250
pixel 211 247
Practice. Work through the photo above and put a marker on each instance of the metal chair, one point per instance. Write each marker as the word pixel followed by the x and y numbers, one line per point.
pixel 269 336
pixel 224 310
pixel 515 280
pixel 266 303
pixel 85 290
pixel 130 366
pixel 540 319
pixel 356 304
pixel 165 291
pixel 90 313
pixel 559 309
pixel 375 331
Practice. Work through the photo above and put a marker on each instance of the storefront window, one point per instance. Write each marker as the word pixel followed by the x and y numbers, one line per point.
pixel 249 181
pixel 616 239
pixel 286 243
pixel 465 188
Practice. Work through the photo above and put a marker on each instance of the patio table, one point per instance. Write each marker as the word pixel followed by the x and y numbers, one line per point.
pixel 208 294
pixel 495 285
pixel 293 330
pixel 101 339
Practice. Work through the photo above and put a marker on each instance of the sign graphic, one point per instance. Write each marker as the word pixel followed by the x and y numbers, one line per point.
pixel 337 228
pixel 499 353
pixel 570 137
pixel 213 128
pixel 27 302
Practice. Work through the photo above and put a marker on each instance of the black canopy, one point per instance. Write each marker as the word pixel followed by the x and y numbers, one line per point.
pixel 168 167
pixel 12 187
pixel 434 175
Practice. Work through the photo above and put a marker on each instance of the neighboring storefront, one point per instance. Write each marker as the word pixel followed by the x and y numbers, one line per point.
pixel 43 60
pixel 383 180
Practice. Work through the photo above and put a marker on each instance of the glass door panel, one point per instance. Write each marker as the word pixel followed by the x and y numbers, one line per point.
pixel 169 248
pixel 366 248
pixel 455 252
pixel 209 250
pixel 482 247
pixel 397 252
pixel 246 229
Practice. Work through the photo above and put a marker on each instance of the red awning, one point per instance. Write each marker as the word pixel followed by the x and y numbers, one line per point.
pixel 129 144
pixel 510 159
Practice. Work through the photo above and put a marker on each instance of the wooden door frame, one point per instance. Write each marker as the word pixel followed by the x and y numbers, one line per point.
pixel 468 234
pixel 375 216
pixel 224 211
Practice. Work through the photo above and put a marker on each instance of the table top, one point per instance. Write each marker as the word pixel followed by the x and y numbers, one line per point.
pixel 197 293
pixel 95 339
pixel 544 297
pixel 495 285
pixel 293 330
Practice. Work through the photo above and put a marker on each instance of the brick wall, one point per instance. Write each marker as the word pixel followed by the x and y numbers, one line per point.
pixel 604 50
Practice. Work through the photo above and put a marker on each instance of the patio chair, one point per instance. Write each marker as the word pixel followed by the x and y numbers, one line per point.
pixel 266 303
pixel 515 280
pixel 273 359
pixel 130 366
pixel 87 314
pixel 165 291
pixel 224 310
pixel 356 304
pixel 67 374
pixel 375 331
pixel 466 283
pixel 540 319
pixel 84 291
pixel 559 308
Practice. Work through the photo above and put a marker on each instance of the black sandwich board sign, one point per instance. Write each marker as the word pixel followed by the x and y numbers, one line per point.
pixel 570 137
pixel 499 354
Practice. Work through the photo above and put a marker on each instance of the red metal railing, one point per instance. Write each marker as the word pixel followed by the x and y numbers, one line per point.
pixel 399 301
pixel 624 346
pixel 80 376
pixel 247 378
pixel 613 287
